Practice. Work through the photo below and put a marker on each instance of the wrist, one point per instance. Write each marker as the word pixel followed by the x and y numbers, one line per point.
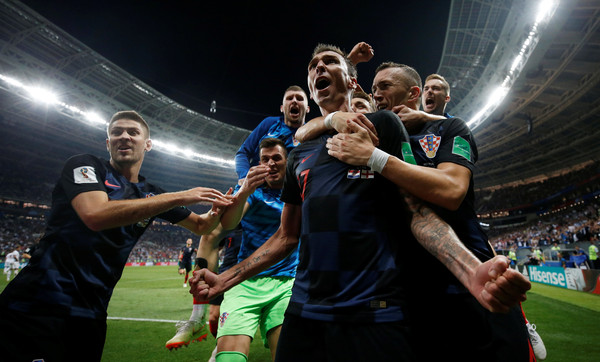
pixel 378 160
pixel 328 120
pixel 201 263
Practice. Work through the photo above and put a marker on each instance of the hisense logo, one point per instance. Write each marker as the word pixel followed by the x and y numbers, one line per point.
pixel 547 277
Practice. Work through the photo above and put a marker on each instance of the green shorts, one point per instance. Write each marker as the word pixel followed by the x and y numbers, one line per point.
pixel 256 302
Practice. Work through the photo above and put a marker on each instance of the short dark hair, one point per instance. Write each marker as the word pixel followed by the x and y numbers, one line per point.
pixel 294 88
pixel 411 76
pixel 320 48
pixel 365 96
pixel 132 115
pixel 272 142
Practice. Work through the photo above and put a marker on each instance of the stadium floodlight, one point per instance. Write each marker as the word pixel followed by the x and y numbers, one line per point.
pixel 95 118
pixel 12 81
pixel 42 95
pixel 188 153
pixel 46 96
pixel 545 10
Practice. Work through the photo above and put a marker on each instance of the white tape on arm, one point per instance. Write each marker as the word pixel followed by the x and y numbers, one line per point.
pixel 378 160
pixel 327 120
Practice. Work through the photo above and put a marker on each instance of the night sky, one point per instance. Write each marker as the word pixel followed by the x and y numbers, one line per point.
pixel 244 55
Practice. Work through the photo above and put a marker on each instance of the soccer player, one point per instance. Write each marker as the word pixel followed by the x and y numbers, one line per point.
pixel 257 208
pixel 446 147
pixel 185 260
pixel 56 308
pixel 362 103
pixel 262 300
pixel 348 300
pixel 294 108
pixel 12 262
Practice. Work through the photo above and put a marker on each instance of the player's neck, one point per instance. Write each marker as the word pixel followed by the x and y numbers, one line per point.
pixel 130 171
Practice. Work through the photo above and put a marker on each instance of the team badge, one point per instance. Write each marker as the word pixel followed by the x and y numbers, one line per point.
pixel 295 142
pixel 84 175
pixel 223 318
pixel 430 144
pixel 361 172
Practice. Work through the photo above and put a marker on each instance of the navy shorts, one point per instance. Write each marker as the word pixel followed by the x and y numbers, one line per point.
pixel 304 340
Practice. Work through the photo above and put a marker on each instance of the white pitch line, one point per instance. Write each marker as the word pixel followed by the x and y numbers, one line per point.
pixel 142 319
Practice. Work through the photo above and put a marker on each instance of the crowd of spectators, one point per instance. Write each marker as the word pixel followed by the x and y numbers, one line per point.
pixel 18 230
pixel 159 244
pixel 544 194
pixel 20 182
pixel 574 225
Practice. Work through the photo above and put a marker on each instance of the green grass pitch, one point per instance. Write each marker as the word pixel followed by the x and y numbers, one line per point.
pixel 568 321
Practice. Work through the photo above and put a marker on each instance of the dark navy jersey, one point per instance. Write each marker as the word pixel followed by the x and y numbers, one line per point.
pixel 75 269
pixel 353 228
pixel 231 248
pixel 451 140
pixel 187 252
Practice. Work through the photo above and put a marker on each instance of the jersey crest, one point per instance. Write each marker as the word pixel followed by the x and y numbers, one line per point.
pixel 430 144
pixel 223 318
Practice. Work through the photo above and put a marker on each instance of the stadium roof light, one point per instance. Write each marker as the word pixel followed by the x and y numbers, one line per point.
pixel 94 118
pixel 12 81
pixel 42 95
pixel 545 10
pixel 46 96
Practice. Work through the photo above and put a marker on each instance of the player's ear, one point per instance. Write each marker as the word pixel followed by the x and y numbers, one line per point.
pixel 148 145
pixel 415 93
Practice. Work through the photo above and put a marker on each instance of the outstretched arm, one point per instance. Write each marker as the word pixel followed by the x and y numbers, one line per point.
pixel 339 123
pixel 493 283
pixel 206 285
pixel 207 222
pixel 99 213
pixel 413 119
pixel 234 213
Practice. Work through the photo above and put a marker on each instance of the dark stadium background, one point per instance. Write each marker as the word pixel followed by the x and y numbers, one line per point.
pixel 245 54
pixel 538 175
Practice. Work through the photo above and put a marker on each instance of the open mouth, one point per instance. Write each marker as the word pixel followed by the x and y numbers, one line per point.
pixel 429 101
pixel 294 110
pixel 322 83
